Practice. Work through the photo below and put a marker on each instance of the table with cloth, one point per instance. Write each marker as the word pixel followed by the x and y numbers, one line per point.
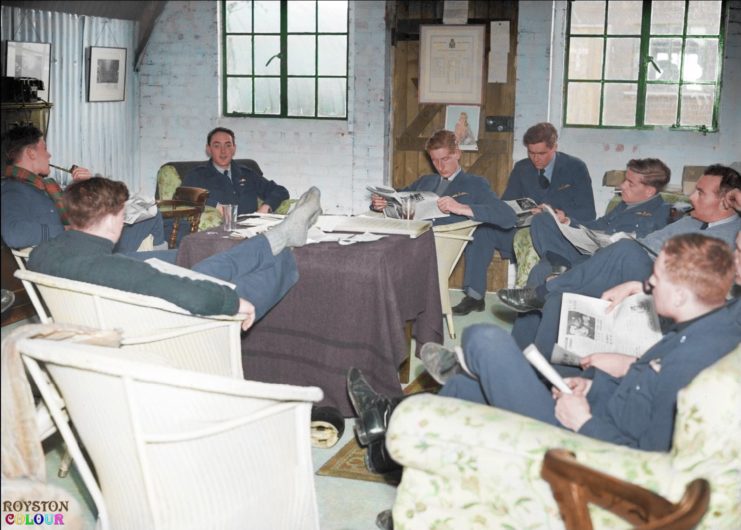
pixel 349 308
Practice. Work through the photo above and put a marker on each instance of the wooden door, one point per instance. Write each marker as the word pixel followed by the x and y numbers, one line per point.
pixel 413 123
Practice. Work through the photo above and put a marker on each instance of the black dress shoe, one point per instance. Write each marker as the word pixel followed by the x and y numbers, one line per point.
pixel 378 460
pixel 521 300
pixel 469 304
pixel 372 408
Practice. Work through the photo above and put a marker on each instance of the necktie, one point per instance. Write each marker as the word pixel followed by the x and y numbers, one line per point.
pixel 542 180
pixel 226 174
pixel 703 226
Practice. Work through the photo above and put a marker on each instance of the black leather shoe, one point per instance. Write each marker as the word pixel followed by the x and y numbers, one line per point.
pixel 469 304
pixel 377 459
pixel 521 300
pixel 372 408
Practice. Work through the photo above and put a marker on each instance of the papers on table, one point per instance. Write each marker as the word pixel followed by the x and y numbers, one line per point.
pixel 139 208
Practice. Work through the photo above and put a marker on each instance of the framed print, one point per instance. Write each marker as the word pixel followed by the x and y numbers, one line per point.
pixel 29 59
pixel 463 120
pixel 106 74
pixel 451 64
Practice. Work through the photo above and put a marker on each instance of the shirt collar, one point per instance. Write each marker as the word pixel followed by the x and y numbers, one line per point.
pixel 549 167
pixel 728 219
pixel 643 202
pixel 219 168
pixel 451 177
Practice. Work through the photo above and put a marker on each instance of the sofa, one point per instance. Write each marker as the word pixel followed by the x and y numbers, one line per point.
pixel 470 466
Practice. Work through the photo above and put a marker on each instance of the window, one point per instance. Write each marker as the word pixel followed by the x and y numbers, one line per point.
pixel 285 59
pixel 643 64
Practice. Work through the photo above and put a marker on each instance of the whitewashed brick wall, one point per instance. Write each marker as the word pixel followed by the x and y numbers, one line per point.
pixel 180 102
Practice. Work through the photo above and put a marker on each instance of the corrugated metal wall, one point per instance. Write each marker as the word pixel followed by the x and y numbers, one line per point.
pixel 103 136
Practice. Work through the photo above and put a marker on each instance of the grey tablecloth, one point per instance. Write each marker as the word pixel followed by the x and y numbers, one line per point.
pixel 348 308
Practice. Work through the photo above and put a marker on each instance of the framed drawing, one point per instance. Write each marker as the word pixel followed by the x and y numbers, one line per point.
pixel 106 74
pixel 29 59
pixel 463 120
pixel 451 64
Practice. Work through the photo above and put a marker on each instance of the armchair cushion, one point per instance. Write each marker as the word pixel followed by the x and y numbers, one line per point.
pixel 473 466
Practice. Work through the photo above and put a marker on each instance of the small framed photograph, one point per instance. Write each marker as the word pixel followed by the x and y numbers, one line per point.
pixel 106 74
pixel 463 120
pixel 451 64
pixel 29 59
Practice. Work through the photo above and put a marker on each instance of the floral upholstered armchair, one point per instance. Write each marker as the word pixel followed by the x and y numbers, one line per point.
pixel 170 177
pixel 470 466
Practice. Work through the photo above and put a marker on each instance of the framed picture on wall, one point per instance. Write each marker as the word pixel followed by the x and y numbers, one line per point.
pixel 451 64
pixel 106 74
pixel 463 120
pixel 29 59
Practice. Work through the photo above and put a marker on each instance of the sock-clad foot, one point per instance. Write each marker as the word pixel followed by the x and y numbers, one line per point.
pixel 373 409
pixel 443 363
pixel 292 231
pixel 469 304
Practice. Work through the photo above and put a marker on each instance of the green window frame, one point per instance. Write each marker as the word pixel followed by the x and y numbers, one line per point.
pixel 285 59
pixel 644 65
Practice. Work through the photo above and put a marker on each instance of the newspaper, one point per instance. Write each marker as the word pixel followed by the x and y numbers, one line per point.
pixel 175 270
pixel 522 208
pixel 424 203
pixel 139 208
pixel 586 240
pixel 630 328
pixel 533 355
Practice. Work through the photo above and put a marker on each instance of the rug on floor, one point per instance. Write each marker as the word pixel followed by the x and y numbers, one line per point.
pixel 349 461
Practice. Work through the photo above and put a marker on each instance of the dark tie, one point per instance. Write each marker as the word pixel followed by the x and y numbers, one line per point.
pixel 226 174
pixel 703 226
pixel 542 180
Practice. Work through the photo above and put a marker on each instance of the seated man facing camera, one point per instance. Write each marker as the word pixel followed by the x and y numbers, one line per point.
pixel 620 399
pixel 262 268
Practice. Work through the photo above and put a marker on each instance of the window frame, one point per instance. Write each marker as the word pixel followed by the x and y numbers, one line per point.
pixel 642 81
pixel 283 76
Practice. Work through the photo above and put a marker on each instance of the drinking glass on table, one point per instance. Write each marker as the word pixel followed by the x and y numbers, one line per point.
pixel 230 216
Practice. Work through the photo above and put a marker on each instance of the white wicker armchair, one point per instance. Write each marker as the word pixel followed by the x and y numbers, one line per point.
pixel 472 466
pixel 175 449
pixel 204 344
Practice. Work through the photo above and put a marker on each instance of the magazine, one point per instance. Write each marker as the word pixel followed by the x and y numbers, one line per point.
pixel 523 210
pixel 631 328
pixel 586 240
pixel 419 204
pixel 533 355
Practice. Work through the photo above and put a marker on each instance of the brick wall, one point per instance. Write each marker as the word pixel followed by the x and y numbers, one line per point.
pixel 180 103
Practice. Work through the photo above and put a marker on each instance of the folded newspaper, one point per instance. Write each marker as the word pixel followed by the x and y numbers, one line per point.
pixel 586 240
pixel 139 208
pixel 422 204
pixel 630 328
pixel 522 208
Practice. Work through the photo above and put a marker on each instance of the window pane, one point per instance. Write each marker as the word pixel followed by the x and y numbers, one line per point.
pixel 266 49
pixel 301 100
pixel 661 104
pixel 667 56
pixel 703 18
pixel 239 95
pixel 588 17
pixel 621 61
pixel 267 16
pixel 301 16
pixel 583 104
pixel 700 60
pixel 585 58
pixel 239 55
pixel 239 17
pixel 301 55
pixel 667 17
pixel 619 106
pixel 624 17
pixel 332 55
pixel 697 105
pixel 267 95
pixel 332 98
pixel 332 16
